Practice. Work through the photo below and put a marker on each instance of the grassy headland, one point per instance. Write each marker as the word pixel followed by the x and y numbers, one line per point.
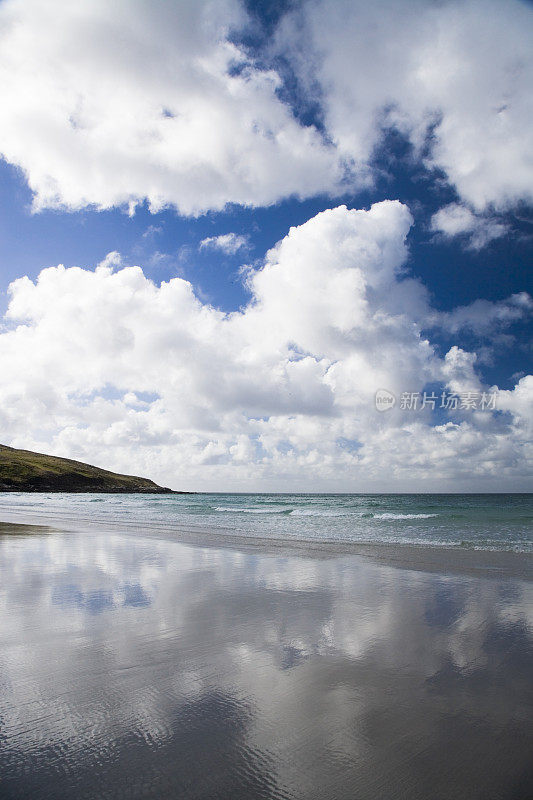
pixel 25 471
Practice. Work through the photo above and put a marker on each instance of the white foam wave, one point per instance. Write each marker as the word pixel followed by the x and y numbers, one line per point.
pixel 404 516
pixel 315 512
pixel 251 510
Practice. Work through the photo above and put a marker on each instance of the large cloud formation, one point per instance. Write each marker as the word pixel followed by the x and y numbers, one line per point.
pixel 108 104
pixel 454 77
pixel 106 366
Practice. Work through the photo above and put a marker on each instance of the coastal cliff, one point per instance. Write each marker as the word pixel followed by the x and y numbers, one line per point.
pixel 25 471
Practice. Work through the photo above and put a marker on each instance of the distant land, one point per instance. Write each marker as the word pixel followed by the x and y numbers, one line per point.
pixel 25 471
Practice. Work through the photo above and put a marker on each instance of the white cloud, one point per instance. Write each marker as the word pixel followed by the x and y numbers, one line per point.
pixel 107 104
pixel 456 219
pixel 519 403
pixel 483 317
pixel 110 103
pixel 460 70
pixel 267 397
pixel 151 231
pixel 229 243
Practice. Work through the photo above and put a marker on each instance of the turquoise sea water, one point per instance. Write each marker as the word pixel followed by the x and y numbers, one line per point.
pixel 495 521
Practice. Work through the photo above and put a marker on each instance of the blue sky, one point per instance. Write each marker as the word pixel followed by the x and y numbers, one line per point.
pixel 307 125
pixel 167 245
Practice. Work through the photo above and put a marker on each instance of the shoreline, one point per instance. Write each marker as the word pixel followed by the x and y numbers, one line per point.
pixel 135 654
pixel 425 558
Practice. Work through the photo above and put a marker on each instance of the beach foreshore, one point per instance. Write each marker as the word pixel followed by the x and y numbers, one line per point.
pixel 149 661
pixel 440 559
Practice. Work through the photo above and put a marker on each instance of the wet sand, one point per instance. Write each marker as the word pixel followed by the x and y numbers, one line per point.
pixel 136 665
pixel 22 529
pixel 445 560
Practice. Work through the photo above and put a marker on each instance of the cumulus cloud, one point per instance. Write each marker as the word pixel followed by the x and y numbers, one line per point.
pixel 109 104
pixel 453 77
pixel 106 366
pixel 456 219
pixel 229 243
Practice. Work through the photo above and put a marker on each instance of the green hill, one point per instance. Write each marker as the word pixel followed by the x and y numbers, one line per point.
pixel 25 471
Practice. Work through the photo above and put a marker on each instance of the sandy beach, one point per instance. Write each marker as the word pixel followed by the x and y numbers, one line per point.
pixel 148 665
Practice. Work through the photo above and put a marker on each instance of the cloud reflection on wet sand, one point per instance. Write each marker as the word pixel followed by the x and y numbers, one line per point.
pixel 138 667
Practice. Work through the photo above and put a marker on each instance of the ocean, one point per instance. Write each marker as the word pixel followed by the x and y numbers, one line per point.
pixel 472 521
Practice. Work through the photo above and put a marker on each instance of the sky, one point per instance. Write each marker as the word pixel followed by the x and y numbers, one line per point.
pixel 227 228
